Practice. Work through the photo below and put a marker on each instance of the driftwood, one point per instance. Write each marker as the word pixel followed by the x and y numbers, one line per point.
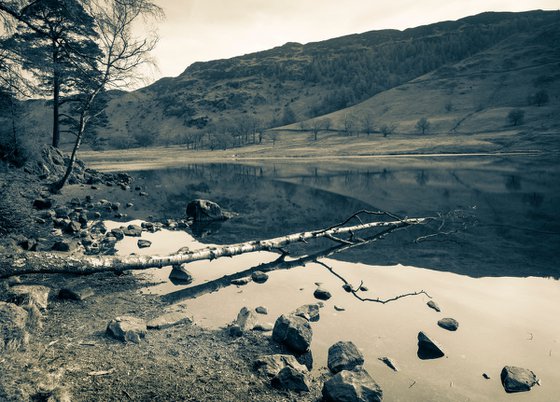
pixel 52 262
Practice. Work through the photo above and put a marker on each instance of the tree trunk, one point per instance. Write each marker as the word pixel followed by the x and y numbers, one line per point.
pixel 48 262
pixel 56 102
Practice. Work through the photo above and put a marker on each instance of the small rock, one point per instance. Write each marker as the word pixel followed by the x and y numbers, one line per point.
pixel 294 332
pixel 263 327
pixel 352 386
pixel 143 194
pixel 428 349
pixel 73 227
pixel 79 293
pixel 127 329
pixel 271 365
pixel 142 243
pixel 339 308
pixel 344 356
pixel 168 320
pixel 133 231
pixel 259 277
pixel 347 287
pixel 245 321
pixel 389 362
pixel 29 244
pixel 261 310
pixel 364 288
pixel 62 246
pixel 449 324
pixel 241 281
pixel 179 275
pixel 26 295
pixel 291 379
pixel 308 311
pixel 517 379
pixel 129 205
pixel 322 294
pixel 118 233
pixel 485 376
pixel 42 203
pixel 433 305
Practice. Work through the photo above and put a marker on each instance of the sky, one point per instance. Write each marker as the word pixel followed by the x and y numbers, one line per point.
pixel 202 30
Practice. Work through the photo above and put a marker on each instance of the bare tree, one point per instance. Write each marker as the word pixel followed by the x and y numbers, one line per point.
pixel 349 124
pixel 122 54
pixel 367 123
pixel 316 127
pixel 423 125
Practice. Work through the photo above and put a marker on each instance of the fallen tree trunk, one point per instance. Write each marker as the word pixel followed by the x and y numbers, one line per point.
pixel 51 262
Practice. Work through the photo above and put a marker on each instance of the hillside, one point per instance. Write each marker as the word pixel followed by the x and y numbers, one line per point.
pixel 230 103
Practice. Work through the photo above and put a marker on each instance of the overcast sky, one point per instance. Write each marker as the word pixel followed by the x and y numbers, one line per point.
pixel 201 30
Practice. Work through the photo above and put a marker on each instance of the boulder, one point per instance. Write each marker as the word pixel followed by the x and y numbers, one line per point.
pixel 133 231
pixel 322 294
pixel 245 321
pixel 127 329
pixel 143 243
pixel 203 211
pixel 271 365
pixel 13 333
pixel 259 277
pixel 428 349
pixel 449 324
pixel 344 356
pixel 179 275
pixel 308 311
pixel 291 379
pixel 294 332
pixel 433 305
pixel 30 295
pixel 517 379
pixel 352 386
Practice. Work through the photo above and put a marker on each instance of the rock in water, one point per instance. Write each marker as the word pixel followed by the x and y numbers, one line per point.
pixel 180 276
pixel 308 311
pixel 142 243
pixel 204 211
pixel 449 324
pixel 517 379
pixel 344 356
pixel 433 305
pixel 127 329
pixel 245 321
pixel 352 386
pixel 259 277
pixel 271 365
pixel 389 362
pixel 262 310
pixel 294 332
pixel 428 349
pixel 291 379
pixel 322 294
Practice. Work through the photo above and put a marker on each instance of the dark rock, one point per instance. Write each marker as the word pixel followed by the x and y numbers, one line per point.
pixel 271 365
pixel 322 294
pixel 517 379
pixel 306 359
pixel 98 228
pixel 291 379
pixel 63 246
pixel 259 277
pixel 127 329
pixel 485 376
pixel 294 332
pixel 42 203
pixel 179 275
pixel 62 212
pixel 308 311
pixel 433 305
pixel 77 293
pixel 347 287
pixel 449 324
pixel 142 243
pixel 118 233
pixel 73 227
pixel 428 349
pixel 133 231
pixel 389 362
pixel 13 333
pixel 245 321
pixel 364 288
pixel 261 310
pixel 339 308
pixel 344 356
pixel 30 295
pixel 352 386
pixel 203 210
pixel 29 244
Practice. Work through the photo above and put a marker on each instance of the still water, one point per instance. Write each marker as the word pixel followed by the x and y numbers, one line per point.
pixel 497 275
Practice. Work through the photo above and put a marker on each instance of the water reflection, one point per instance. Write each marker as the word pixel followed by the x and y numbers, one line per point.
pixel 517 233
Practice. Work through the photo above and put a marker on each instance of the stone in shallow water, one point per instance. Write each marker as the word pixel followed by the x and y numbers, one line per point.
pixel 142 243
pixel 428 349
pixel 449 324
pixel 322 294
pixel 308 311
pixel 389 362
pixel 294 332
pixel 259 277
pixel 204 211
pixel 344 356
pixel 352 386
pixel 180 276
pixel 517 379
pixel 127 329
pixel 245 321
pixel 433 305
pixel 261 310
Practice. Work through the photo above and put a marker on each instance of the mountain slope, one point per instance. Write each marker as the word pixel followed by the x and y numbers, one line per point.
pixel 224 102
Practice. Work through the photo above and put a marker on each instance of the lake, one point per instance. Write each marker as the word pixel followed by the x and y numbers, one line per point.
pixel 494 268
